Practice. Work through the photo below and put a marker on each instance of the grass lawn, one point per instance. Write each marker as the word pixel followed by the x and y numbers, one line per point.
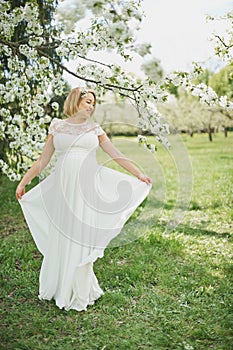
pixel 168 289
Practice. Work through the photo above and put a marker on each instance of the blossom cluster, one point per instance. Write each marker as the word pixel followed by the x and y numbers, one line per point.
pixel 11 18
pixel 8 171
pixel 206 94
pixel 113 27
pixel 27 91
pixel 226 104
pixel 142 139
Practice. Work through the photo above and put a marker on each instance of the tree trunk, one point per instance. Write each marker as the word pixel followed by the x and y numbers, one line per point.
pixel 225 131
pixel 210 134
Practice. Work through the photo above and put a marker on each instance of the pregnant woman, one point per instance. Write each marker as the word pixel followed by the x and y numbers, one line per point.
pixel 81 206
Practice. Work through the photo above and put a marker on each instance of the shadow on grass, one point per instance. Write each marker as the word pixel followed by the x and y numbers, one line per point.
pixel 185 229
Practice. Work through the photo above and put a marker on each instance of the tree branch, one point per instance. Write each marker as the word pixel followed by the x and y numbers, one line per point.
pixel 107 86
pixel 91 60
pixel 224 44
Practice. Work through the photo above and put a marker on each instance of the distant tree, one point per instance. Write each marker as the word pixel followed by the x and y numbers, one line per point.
pixel 187 114
pixel 222 82
pixel 204 76
pixel 153 69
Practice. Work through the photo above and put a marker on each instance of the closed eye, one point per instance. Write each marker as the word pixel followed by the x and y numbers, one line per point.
pixel 89 102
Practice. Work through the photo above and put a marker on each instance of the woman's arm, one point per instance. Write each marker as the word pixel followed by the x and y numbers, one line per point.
pixel 118 157
pixel 37 166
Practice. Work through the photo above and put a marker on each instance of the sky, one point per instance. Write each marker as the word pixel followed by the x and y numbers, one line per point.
pixel 178 29
pixel 178 32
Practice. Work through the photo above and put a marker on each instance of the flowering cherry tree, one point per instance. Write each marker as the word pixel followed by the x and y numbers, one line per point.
pixel 33 64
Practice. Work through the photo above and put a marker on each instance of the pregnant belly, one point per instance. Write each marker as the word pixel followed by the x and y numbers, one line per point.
pixel 76 159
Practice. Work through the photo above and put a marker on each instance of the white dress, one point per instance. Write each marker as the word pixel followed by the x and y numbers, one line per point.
pixel 75 212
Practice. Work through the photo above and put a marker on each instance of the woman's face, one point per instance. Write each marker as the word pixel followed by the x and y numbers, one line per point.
pixel 87 105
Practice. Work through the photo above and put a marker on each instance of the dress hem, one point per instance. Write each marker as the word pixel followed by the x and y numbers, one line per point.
pixel 74 305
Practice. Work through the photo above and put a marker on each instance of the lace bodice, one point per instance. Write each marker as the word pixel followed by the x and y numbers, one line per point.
pixel 60 126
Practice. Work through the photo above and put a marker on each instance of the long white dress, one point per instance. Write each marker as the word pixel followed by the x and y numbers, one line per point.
pixel 75 212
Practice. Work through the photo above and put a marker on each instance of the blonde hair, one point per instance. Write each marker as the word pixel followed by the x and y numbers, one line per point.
pixel 73 99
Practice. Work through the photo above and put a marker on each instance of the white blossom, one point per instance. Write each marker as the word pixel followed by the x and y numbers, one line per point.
pixel 30 12
pixel 62 50
pixel 55 106
pixel 2 129
pixel 37 41
pixel 223 101
pixel 152 148
pixel 17 119
pixel 141 138
pixel 27 51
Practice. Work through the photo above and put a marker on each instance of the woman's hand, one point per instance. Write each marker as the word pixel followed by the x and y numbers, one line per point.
pixel 145 178
pixel 20 191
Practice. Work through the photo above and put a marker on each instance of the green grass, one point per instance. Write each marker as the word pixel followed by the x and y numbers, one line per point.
pixel 168 289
